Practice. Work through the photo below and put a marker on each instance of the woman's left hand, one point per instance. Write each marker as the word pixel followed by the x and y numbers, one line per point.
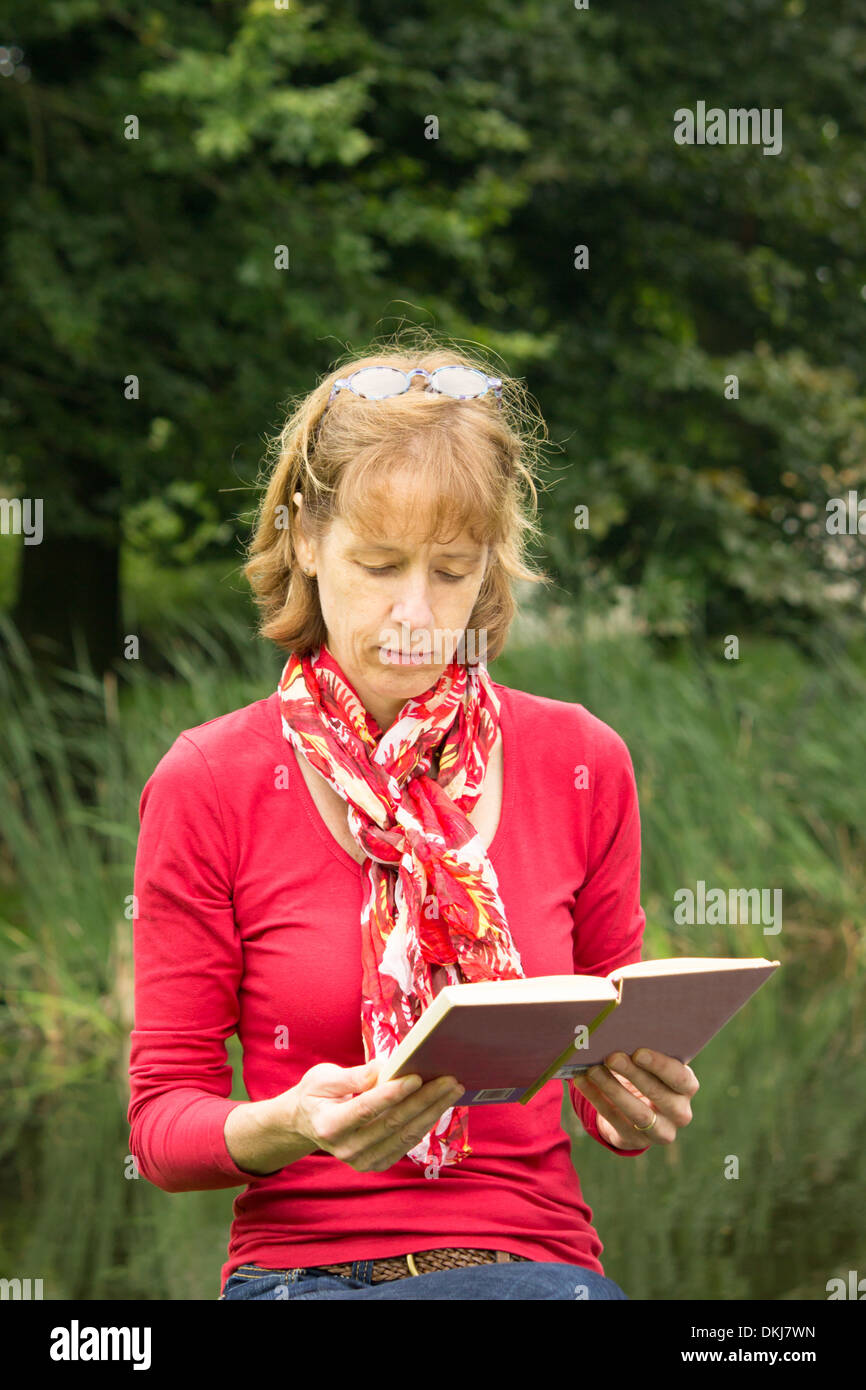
pixel 626 1094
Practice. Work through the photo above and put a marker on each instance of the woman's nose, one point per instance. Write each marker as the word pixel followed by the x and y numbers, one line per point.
pixel 413 606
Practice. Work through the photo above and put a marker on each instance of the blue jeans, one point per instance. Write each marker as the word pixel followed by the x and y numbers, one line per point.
pixel 530 1280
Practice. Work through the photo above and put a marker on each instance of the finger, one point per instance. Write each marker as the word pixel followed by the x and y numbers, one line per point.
pixel 408 1133
pixel 342 1083
pixel 622 1078
pixel 390 1118
pixel 624 1110
pixel 644 1066
pixel 674 1103
pixel 368 1107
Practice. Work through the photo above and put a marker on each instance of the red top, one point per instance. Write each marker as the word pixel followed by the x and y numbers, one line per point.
pixel 248 915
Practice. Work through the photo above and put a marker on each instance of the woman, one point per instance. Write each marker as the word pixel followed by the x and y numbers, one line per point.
pixel 314 867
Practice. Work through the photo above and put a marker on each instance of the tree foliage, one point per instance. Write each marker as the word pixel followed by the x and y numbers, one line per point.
pixel 307 127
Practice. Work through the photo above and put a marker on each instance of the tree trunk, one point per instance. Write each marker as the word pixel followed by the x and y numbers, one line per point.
pixel 69 597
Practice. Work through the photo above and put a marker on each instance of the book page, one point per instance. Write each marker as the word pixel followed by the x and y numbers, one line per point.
pixel 676 1012
pixel 687 965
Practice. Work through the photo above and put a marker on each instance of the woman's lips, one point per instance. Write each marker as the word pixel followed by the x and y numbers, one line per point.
pixel 391 658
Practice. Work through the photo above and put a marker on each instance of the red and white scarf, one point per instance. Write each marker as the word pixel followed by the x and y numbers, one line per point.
pixel 431 914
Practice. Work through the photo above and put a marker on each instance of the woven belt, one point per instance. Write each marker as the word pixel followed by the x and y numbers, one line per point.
pixel 425 1262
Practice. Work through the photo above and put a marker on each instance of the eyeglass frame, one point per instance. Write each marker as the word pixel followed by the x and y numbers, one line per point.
pixel 492 383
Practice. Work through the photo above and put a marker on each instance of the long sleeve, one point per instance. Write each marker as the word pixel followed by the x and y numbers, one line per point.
pixel 188 964
pixel 608 918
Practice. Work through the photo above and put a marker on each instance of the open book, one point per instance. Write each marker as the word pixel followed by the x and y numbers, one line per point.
pixel 504 1039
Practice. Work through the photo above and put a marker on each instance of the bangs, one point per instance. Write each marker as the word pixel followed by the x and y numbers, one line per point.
pixel 445 487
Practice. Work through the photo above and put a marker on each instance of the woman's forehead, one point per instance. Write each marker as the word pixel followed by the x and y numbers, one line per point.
pixel 391 536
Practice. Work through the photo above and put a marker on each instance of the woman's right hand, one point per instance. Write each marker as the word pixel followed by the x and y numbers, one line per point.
pixel 344 1112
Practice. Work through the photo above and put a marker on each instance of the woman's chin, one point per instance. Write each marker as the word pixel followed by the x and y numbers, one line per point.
pixel 403 680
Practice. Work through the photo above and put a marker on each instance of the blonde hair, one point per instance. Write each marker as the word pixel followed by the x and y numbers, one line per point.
pixel 468 463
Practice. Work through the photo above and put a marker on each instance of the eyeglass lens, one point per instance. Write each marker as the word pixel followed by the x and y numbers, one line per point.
pixel 460 381
pixel 374 383
pixel 377 383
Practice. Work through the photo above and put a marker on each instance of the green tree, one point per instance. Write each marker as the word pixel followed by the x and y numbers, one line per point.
pixel 310 128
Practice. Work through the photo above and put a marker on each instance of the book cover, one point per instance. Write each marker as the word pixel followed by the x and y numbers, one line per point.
pixel 504 1039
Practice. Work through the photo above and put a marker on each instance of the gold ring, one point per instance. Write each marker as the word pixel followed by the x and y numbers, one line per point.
pixel 649 1126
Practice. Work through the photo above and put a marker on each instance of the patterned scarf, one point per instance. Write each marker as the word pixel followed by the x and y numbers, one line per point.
pixel 431 914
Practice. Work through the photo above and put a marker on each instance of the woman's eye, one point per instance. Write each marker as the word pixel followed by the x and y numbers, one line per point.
pixel 385 569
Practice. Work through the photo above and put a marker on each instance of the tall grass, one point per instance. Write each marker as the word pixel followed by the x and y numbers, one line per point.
pixel 749 775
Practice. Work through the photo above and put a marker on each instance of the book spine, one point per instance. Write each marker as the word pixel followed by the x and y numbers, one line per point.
pixel 568 1054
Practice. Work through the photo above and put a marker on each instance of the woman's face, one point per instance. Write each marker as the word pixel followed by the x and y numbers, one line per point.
pixel 382 599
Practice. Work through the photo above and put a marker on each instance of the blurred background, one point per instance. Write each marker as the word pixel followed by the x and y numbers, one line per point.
pixel 700 367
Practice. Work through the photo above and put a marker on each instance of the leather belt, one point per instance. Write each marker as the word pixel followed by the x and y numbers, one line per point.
pixel 425 1262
